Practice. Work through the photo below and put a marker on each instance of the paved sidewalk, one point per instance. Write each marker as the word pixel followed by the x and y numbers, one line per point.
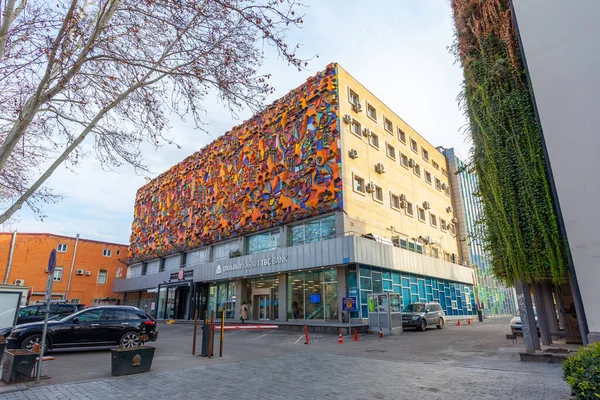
pixel 312 375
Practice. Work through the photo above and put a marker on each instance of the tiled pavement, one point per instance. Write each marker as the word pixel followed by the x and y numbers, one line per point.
pixel 314 375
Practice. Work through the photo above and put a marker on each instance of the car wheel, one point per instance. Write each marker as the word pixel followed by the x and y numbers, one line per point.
pixel 423 325
pixel 129 340
pixel 29 341
pixel 440 324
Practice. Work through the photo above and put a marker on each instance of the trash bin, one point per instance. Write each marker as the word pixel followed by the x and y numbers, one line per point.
pixel 480 315
pixel 17 365
pixel 2 347
pixel 131 360
pixel 205 340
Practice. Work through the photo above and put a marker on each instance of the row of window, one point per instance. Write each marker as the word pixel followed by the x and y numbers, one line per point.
pixel 356 128
pixel 58 275
pixel 407 163
pixel 399 202
pixel 62 248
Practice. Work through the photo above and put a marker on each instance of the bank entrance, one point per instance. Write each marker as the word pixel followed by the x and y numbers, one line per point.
pixel 174 301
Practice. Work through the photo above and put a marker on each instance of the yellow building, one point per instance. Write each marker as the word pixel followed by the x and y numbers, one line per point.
pixel 325 194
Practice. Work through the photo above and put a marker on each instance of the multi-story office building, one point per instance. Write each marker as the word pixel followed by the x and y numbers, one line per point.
pixel 326 193
pixel 494 298
pixel 84 273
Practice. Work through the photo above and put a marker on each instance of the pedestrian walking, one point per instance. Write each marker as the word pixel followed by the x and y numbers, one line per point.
pixel 243 312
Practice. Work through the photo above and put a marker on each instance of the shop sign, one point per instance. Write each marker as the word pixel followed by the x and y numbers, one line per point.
pixel 154 290
pixel 251 264
pixel 349 304
pixel 181 275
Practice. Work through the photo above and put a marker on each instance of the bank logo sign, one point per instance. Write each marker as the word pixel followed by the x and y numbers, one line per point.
pixel 251 264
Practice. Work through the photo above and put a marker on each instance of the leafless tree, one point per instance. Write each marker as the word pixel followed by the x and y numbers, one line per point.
pixel 117 70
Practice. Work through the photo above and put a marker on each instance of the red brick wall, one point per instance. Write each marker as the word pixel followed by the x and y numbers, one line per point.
pixel 30 259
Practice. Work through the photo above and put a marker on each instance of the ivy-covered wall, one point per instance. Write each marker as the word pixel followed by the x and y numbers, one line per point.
pixel 520 221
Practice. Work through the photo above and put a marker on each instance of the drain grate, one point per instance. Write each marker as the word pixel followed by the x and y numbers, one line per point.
pixel 375 351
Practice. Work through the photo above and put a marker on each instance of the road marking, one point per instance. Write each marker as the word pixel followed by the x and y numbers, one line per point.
pixel 268 333
pixel 299 339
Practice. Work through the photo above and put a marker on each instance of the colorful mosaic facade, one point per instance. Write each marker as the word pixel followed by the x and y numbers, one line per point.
pixel 280 166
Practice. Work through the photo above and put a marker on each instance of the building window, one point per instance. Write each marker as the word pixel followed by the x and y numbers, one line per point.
pixel 372 112
pixel 425 154
pixel 447 190
pixel 433 219
pixel 417 170
pixel 378 194
pixel 444 172
pixel 118 252
pixel 427 177
pixel 102 275
pixel 356 128
pixel 58 273
pixel 438 184
pixel 263 242
pixel 443 225
pixel 391 151
pixel 353 97
pixel 453 229
pixel 387 124
pixel 435 165
pixel 106 253
pixel 421 214
pixel 414 146
pixel 313 231
pixel 404 160
pixel 409 209
pixel 395 201
pixel 401 136
pixel 374 140
pixel 134 270
pixel 359 184
pixel 75 301
pixel 435 253
pixel 61 248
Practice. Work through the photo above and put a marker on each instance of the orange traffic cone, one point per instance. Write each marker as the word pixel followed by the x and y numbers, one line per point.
pixel 340 338
pixel 468 321
pixel 355 335
pixel 380 332
pixel 458 323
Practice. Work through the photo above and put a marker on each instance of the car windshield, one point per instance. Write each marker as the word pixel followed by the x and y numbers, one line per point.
pixel 414 308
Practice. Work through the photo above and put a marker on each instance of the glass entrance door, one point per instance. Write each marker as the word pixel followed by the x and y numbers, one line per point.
pixel 264 307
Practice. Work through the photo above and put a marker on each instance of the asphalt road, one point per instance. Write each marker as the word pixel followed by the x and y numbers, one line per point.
pixel 471 360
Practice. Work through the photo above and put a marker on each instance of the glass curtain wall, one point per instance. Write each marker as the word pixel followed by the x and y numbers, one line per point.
pixel 221 296
pixel 313 231
pixel 263 242
pixel 313 295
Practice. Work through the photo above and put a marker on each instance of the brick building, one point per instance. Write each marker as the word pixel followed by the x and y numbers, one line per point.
pixel 85 269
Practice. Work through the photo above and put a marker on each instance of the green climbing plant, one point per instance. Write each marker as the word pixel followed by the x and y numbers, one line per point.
pixel 519 223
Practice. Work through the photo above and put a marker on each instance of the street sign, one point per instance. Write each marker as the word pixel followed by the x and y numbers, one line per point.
pixel 349 304
pixel 353 292
pixel 52 261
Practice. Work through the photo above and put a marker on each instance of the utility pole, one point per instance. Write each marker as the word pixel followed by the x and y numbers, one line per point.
pixel 72 266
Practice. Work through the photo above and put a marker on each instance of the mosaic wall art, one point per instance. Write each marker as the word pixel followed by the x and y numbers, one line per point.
pixel 280 166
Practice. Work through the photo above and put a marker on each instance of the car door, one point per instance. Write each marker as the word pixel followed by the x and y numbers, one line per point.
pixel 431 314
pixel 114 323
pixel 86 327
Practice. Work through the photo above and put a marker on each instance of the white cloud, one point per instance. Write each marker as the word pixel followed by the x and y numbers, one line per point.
pixel 397 49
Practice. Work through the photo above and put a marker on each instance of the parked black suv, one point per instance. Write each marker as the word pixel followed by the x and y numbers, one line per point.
pixel 422 315
pixel 36 312
pixel 98 326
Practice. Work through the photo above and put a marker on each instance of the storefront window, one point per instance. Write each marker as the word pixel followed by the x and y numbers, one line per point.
pixel 263 242
pixel 222 297
pixel 313 295
pixel 296 295
pixel 162 298
pixel 212 298
pixel 313 231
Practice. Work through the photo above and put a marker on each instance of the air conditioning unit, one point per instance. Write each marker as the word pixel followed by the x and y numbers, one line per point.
pixel 444 186
pixel 380 168
pixel 455 220
pixel 347 118
pixel 356 107
pixel 87 273
pixel 46 270
pixel 353 153
pixel 426 205
pixel 403 204
pixel 20 282
pixel 366 132
pixel 402 197
pixel 370 187
pixel 412 162
pixel 449 209
pixel 79 272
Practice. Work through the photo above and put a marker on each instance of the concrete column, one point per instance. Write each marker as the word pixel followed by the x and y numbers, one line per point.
pixel 342 283
pixel 528 325
pixel 339 224
pixel 283 305
pixel 541 314
pixel 550 308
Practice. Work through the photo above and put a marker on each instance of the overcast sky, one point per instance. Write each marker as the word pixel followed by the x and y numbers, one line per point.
pixel 396 48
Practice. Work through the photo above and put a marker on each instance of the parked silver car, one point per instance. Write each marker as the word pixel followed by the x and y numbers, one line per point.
pixel 423 315
pixel 515 323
